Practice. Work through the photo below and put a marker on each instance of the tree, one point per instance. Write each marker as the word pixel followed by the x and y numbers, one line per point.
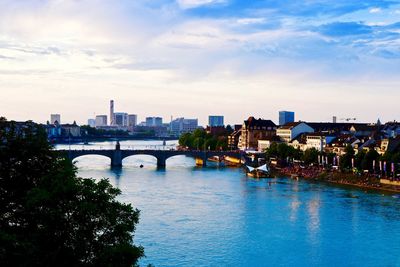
pixel 360 159
pixel 198 143
pixel 310 156
pixel 199 139
pixel 210 143
pixel 186 140
pixel 367 162
pixel 198 133
pixel 49 216
pixel 222 144
pixel 346 159
pixel 272 151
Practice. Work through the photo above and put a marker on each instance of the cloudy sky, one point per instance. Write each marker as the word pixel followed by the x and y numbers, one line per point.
pixel 192 58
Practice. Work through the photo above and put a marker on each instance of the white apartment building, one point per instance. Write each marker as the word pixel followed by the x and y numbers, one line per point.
pixel 291 130
pixel 318 141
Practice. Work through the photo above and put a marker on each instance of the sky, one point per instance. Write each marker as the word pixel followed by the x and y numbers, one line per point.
pixel 194 58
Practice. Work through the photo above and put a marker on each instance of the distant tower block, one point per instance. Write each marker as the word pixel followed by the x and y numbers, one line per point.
pixel 334 119
pixel 112 117
pixel 55 118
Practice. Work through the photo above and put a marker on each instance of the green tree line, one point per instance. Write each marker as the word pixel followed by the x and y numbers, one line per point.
pixel 201 140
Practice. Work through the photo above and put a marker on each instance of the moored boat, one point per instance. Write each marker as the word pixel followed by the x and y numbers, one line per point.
pixel 259 172
pixel 230 161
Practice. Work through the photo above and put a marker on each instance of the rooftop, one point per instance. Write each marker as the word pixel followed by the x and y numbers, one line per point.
pixel 253 122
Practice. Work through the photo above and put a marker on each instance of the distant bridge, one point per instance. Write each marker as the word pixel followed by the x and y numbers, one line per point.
pixel 117 155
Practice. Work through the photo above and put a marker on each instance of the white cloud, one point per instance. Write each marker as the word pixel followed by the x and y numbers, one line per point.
pixel 186 4
pixel 249 21
pixel 375 10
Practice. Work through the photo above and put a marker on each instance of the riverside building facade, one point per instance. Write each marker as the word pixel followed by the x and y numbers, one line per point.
pixel 253 130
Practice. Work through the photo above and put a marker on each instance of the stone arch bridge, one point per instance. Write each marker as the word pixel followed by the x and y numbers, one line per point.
pixel 117 155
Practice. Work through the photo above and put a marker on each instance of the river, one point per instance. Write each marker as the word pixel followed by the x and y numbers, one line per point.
pixel 213 216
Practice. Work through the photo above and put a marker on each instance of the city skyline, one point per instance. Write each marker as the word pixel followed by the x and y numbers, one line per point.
pixel 186 58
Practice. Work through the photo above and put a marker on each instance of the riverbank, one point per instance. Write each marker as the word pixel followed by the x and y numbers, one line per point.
pixel 319 174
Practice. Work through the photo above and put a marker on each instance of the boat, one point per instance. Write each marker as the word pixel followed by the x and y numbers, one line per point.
pixel 231 161
pixel 259 172
pixel 215 161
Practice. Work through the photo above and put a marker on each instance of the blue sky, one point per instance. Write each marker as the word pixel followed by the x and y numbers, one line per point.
pixel 197 57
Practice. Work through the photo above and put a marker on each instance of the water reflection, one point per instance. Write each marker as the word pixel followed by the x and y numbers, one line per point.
pixel 313 208
pixel 295 203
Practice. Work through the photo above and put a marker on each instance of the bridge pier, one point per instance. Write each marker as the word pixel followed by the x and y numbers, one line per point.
pixel 116 160
pixel 204 159
pixel 161 162
pixel 204 162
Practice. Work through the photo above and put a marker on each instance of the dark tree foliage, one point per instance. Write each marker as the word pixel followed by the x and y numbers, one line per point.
pixel 49 216
pixel 200 140
pixel 367 162
pixel 330 156
pixel 359 159
pixel 310 156
pixel 346 159
pixel 282 151
pixel 186 140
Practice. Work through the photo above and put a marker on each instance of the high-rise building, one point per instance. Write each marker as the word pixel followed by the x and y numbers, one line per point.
pixel 55 118
pixel 334 119
pixel 112 115
pixel 286 117
pixel 91 122
pixel 121 119
pixel 182 125
pixel 132 120
pixel 215 121
pixel 154 121
pixel 101 120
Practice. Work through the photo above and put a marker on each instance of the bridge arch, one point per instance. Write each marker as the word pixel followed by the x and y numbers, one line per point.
pixel 139 159
pixel 96 159
pixel 180 160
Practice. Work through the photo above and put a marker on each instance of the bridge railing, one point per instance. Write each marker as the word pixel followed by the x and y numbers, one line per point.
pixel 171 150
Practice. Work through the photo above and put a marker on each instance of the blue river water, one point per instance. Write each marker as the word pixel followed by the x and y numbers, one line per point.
pixel 218 217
